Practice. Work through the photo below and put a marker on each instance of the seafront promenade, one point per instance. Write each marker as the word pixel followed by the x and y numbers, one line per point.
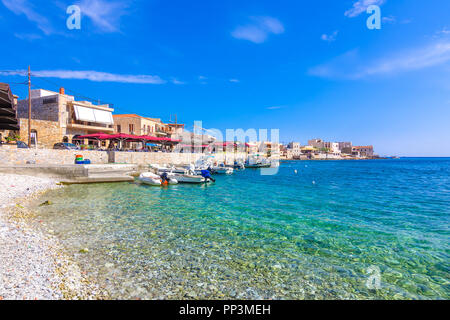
pixel 14 156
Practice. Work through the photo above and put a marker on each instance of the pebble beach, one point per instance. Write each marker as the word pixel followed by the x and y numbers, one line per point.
pixel 33 265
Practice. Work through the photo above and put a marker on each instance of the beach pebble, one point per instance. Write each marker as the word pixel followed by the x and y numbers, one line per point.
pixel 32 265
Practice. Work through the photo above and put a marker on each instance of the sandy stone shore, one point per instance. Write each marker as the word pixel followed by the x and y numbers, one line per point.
pixel 32 264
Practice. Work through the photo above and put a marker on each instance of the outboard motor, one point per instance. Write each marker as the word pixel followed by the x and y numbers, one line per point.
pixel 207 175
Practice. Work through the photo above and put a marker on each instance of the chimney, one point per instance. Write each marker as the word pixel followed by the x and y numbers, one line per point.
pixel 61 91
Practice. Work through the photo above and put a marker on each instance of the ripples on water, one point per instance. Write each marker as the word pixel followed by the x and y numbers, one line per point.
pixel 257 237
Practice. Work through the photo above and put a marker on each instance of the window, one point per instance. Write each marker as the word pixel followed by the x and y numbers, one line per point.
pixel 49 100
pixel 119 129
pixel 131 127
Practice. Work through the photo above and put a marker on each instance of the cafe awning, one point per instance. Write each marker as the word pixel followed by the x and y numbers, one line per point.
pixel 93 115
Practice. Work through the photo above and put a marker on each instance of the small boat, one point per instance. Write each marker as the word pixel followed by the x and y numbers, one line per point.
pixel 255 162
pixel 186 178
pixel 222 169
pixel 153 179
pixel 258 165
pixel 160 168
pixel 239 165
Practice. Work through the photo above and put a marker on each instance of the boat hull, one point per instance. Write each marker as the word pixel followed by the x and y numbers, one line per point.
pixel 256 166
pixel 187 178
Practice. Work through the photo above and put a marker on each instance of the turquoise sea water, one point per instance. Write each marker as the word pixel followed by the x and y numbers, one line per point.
pixel 260 237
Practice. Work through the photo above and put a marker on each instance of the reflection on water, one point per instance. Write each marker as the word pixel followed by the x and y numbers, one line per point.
pixel 259 237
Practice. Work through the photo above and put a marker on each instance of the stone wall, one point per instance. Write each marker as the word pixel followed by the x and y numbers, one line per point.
pixel 11 155
pixel 44 108
pixel 48 132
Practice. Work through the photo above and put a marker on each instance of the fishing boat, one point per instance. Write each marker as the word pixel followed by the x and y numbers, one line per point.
pixel 153 179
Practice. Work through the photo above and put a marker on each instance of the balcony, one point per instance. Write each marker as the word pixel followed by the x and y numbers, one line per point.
pixel 90 126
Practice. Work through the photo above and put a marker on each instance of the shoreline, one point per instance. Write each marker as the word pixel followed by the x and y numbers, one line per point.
pixel 34 264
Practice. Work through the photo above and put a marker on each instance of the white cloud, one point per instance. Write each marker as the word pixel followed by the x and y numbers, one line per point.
pixel 361 6
pixel 444 31
pixel 27 36
pixel 26 8
pixel 331 37
pixel 176 81
pixel 274 107
pixel 95 76
pixel 259 30
pixel 202 78
pixel 104 14
pixel 234 80
pixel 351 66
pixel 389 19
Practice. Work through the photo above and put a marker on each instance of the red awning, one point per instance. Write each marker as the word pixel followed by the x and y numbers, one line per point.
pixel 193 146
pixel 124 136
pixel 148 138
pixel 224 144
pixel 100 136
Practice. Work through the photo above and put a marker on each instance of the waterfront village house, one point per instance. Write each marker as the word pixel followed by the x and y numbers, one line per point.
pixel 269 148
pixel 345 147
pixel 333 147
pixel 363 151
pixel 308 151
pixel 289 155
pixel 138 125
pixel 295 149
pixel 316 143
pixel 57 117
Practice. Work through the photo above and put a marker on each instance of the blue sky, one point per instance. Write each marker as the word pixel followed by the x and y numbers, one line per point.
pixel 309 68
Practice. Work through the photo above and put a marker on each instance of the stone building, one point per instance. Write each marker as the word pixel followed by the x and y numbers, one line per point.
pixel 138 125
pixel 295 149
pixel 333 147
pixel 345 147
pixel 316 143
pixel 363 151
pixel 57 117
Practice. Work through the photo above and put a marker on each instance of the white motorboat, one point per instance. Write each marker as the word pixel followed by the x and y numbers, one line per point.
pixel 257 161
pixel 154 179
pixel 222 169
pixel 239 165
pixel 186 178
pixel 160 168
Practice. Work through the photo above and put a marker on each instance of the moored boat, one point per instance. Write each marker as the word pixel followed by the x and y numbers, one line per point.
pixel 153 179
pixel 186 178
pixel 222 169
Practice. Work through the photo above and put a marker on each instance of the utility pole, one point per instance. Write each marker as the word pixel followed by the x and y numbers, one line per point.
pixel 29 107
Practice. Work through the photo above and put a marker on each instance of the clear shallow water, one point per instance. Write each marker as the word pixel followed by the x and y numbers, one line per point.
pixel 259 237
